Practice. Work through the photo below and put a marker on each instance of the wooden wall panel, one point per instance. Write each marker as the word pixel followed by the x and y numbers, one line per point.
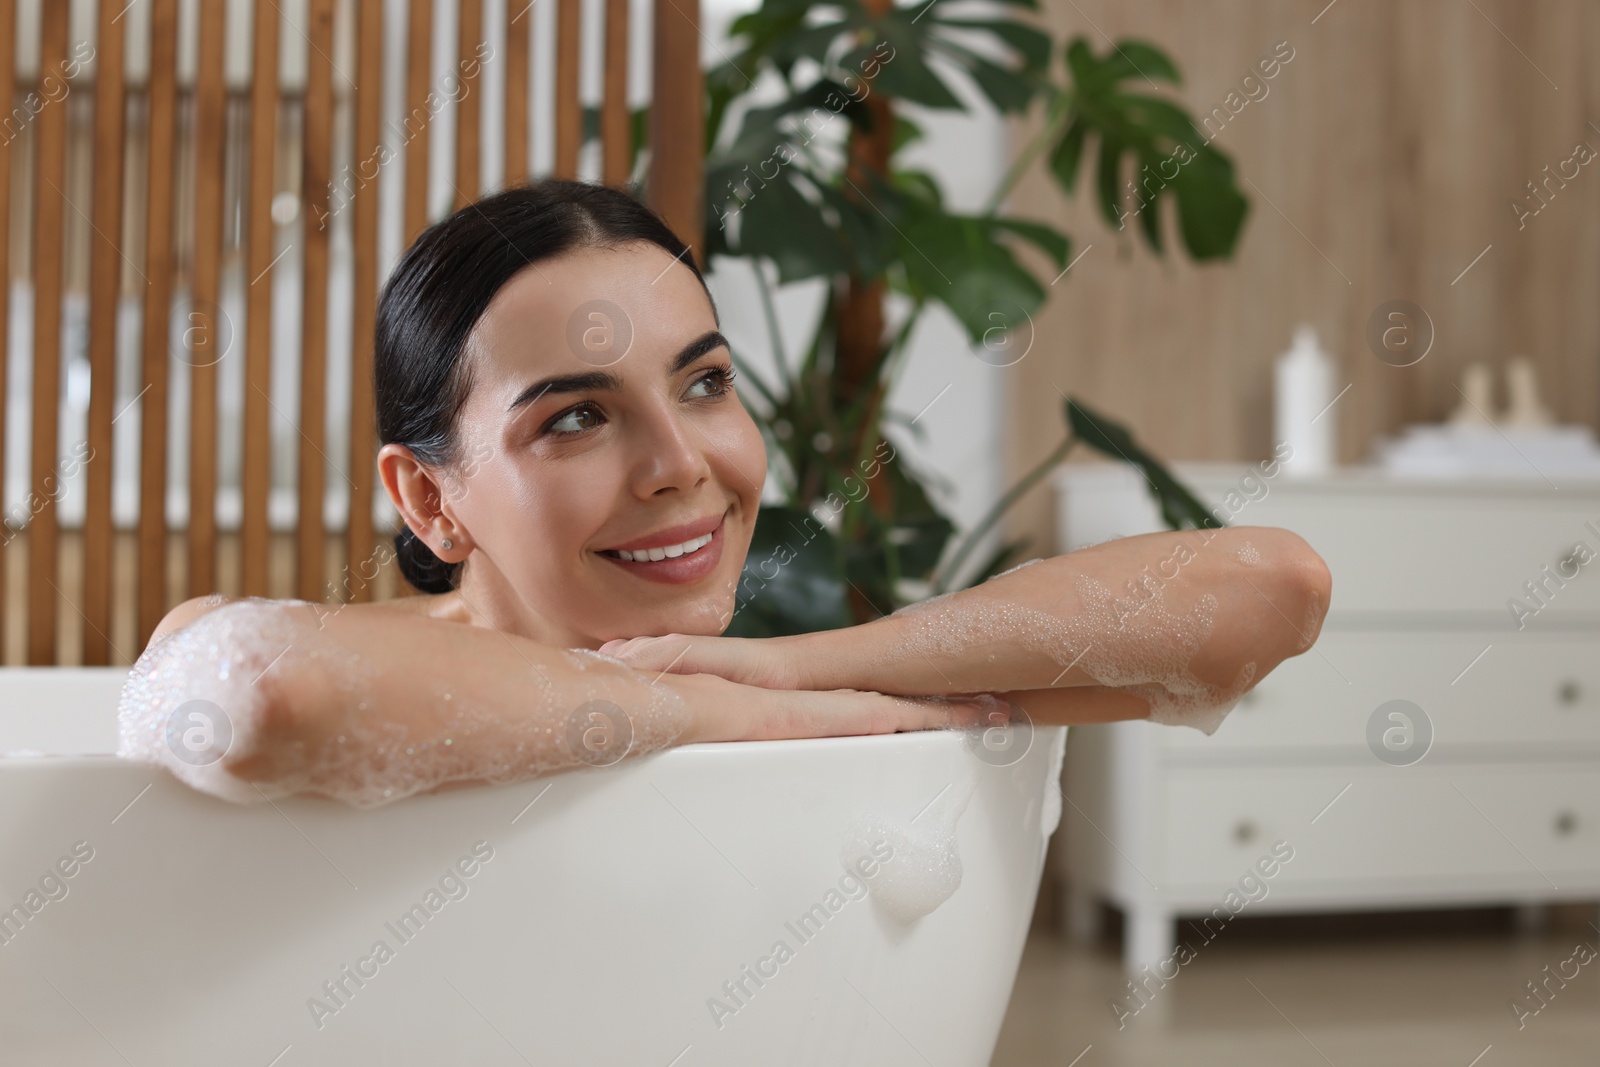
pixel 418 82
pixel 677 134
pixel 519 36
pixel 206 331
pixel 616 127
pixel 106 264
pixel 259 259
pixel 469 126
pixel 158 269
pixel 317 168
pixel 1383 159
pixel 360 534
pixel 49 211
pixel 569 109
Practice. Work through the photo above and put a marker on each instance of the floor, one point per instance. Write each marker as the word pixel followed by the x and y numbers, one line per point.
pixel 1399 990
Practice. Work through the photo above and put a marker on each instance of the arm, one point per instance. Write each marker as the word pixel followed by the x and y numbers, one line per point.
pixel 371 706
pixel 1142 624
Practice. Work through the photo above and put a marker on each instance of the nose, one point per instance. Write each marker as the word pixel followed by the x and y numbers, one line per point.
pixel 671 454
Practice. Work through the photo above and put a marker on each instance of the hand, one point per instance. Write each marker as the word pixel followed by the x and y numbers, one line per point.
pixel 770 663
pixel 730 711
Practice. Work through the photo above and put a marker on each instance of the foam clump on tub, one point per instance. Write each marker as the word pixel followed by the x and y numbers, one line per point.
pixel 923 868
pixel 1136 644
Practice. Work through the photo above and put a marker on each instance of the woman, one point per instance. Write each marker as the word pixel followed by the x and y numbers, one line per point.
pixel 574 469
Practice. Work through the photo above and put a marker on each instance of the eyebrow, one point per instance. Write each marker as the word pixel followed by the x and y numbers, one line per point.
pixel 600 381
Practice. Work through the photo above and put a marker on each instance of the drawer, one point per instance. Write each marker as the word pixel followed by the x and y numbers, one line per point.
pixel 1420 825
pixel 1526 693
pixel 1394 546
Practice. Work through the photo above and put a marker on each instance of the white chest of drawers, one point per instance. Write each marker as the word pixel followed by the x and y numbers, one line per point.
pixel 1503 805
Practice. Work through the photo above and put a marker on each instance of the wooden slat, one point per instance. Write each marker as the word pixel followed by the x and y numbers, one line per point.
pixel 616 135
pixel 569 110
pixel 163 97
pixel 363 450
pixel 468 134
pixel 257 474
pixel 518 36
pixel 207 331
pixel 105 283
pixel 312 526
pixel 48 214
pixel 419 36
pixel 677 128
pixel 8 27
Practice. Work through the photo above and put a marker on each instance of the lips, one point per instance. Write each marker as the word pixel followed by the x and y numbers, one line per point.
pixel 689 565
pixel 672 535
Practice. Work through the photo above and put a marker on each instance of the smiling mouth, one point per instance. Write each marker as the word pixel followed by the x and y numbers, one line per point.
pixel 655 555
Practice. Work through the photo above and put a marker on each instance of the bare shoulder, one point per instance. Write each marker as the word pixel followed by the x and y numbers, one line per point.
pixel 440 605
pixel 187 612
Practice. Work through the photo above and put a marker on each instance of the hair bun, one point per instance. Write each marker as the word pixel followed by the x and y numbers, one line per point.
pixel 424 570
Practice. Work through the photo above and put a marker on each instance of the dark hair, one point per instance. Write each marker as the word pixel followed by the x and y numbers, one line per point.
pixel 440 289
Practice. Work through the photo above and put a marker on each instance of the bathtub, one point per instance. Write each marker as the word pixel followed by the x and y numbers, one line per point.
pixel 594 917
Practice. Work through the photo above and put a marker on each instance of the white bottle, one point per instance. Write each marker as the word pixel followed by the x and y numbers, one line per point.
pixel 1525 411
pixel 1302 394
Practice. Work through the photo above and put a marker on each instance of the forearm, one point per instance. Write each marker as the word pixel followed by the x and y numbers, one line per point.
pixel 1080 705
pixel 370 706
pixel 1205 608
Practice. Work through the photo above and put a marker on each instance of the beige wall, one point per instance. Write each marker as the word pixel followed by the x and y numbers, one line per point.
pixel 1391 145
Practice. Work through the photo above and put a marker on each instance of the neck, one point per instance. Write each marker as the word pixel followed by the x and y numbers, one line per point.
pixel 485 598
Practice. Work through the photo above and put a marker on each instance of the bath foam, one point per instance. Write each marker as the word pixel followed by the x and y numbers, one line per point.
pixel 1050 813
pixel 200 662
pixel 367 759
pixel 1134 643
pixel 1013 570
pixel 925 870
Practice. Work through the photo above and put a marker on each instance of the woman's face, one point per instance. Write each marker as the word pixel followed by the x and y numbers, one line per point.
pixel 601 420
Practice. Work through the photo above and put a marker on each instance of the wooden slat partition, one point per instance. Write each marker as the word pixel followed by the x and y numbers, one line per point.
pixel 259 258
pixel 152 268
pixel 318 153
pixel 8 81
pixel 519 24
pixel 208 334
pixel 158 267
pixel 569 109
pixel 105 278
pixel 469 70
pixel 360 536
pixel 616 133
pixel 49 209
pixel 418 83
pixel 677 133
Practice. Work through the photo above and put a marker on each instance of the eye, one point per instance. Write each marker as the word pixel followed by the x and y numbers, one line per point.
pixel 574 421
pixel 720 379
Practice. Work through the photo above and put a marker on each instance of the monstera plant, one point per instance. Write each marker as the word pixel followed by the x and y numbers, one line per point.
pixel 807 120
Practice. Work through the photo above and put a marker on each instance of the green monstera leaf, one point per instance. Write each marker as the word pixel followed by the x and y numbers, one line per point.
pixel 1150 150
pixel 792 581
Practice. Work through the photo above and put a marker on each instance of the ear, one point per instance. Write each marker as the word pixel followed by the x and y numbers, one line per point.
pixel 418 495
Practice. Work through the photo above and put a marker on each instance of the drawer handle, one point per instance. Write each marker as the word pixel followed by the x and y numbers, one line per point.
pixel 1244 832
pixel 1569 692
pixel 1566 823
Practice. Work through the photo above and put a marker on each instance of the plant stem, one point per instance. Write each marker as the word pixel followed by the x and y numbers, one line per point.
pixel 772 322
pixel 1012 495
pixel 1058 122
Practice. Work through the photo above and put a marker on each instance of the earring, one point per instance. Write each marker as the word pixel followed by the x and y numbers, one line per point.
pixel 445 544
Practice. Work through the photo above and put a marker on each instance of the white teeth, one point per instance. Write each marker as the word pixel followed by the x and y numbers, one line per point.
pixel 669 552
